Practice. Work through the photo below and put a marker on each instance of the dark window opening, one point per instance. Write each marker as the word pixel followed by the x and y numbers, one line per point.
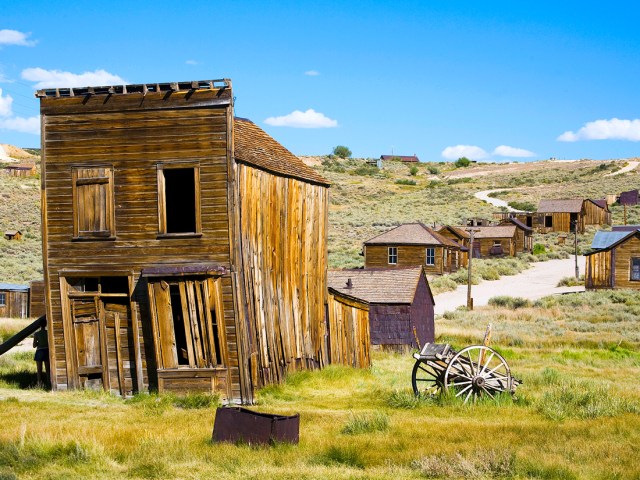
pixel 529 221
pixel 179 325
pixel 180 200
pixel 114 284
pixel 3 299
pixel 83 284
pixel 548 221
pixel 216 353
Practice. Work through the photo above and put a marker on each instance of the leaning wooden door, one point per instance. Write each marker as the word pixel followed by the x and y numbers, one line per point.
pixel 89 336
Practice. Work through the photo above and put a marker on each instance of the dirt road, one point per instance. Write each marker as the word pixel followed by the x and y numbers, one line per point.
pixel 538 281
pixel 484 195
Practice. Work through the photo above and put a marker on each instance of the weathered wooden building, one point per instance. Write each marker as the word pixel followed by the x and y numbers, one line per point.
pixel 397 303
pixel 37 304
pixel 412 244
pixel 614 261
pixel 508 239
pixel 13 235
pixel 184 249
pixel 569 214
pixel 21 169
pixel 524 235
pixel 14 300
pixel 461 237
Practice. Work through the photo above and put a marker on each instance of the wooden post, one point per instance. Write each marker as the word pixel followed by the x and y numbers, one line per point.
pixel 469 299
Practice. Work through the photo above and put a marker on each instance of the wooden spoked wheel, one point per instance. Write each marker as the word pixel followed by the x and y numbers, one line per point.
pixel 427 378
pixel 477 371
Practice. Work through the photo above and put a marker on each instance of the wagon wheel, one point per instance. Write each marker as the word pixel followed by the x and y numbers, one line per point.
pixel 477 371
pixel 427 378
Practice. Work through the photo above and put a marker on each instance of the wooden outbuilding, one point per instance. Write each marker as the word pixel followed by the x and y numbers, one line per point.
pixel 21 169
pixel 614 261
pixel 401 158
pixel 508 239
pixel 461 237
pixel 524 235
pixel 399 304
pixel 184 249
pixel 13 235
pixel 570 214
pixel 629 198
pixel 14 300
pixel 412 244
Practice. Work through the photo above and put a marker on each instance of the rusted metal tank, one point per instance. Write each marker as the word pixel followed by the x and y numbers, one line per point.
pixel 241 425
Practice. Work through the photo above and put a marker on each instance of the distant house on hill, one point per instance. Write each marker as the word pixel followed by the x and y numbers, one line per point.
pixel 413 244
pixel 401 158
pixel 13 235
pixel 629 198
pixel 567 215
pixel 398 304
pixel 614 261
pixel 21 169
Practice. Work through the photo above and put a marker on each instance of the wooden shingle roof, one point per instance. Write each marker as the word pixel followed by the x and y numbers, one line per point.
pixel 254 146
pixel 572 205
pixel 498 231
pixel 377 285
pixel 411 234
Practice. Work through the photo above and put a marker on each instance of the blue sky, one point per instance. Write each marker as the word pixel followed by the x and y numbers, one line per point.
pixel 493 81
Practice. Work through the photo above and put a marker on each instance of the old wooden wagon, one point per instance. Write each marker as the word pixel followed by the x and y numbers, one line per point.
pixel 184 249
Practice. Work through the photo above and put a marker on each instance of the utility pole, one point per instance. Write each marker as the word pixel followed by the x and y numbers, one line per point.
pixel 469 299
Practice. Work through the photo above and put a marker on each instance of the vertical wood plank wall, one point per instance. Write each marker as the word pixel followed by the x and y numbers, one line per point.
pixel 37 306
pixel 350 335
pixel 622 255
pixel 132 143
pixel 16 304
pixel 284 248
pixel 598 270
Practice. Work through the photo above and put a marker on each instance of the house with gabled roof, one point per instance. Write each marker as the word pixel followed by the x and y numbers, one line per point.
pixel 507 239
pixel 412 244
pixel 398 304
pixel 614 260
pixel 401 158
pixel 569 215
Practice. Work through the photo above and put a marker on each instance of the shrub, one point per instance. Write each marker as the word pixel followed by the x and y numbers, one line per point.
pixel 405 181
pixel 365 170
pixel 342 151
pixel 462 162
pixel 526 206
pixel 571 281
pixel 539 249
pixel 433 170
pixel 357 424
pixel 413 170
pixel 512 303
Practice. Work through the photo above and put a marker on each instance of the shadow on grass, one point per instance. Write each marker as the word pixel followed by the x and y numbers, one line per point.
pixel 20 379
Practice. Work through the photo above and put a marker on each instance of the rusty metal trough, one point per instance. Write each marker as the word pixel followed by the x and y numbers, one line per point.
pixel 241 425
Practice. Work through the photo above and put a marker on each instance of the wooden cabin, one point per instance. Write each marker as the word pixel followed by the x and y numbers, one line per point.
pixel 460 236
pixel 507 239
pixel 524 235
pixel 37 304
pixel 14 300
pixel 614 261
pixel 184 249
pixel 21 169
pixel 412 244
pixel 399 304
pixel 567 215
pixel 13 235
pixel 629 198
pixel 401 158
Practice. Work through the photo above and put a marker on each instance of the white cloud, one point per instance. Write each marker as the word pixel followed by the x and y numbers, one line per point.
pixel 14 37
pixel 5 105
pixel 312 73
pixel 506 151
pixel 192 62
pixel 470 151
pixel 614 129
pixel 56 78
pixel 298 119
pixel 24 125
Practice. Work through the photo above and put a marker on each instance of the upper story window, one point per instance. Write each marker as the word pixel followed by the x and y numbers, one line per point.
pixel 93 204
pixel 179 199
pixel 635 268
pixel 431 256
pixel 393 255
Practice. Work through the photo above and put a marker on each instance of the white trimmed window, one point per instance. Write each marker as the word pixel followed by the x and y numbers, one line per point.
pixel 393 255
pixel 431 256
pixel 635 268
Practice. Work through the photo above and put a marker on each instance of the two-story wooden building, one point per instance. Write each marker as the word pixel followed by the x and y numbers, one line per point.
pixel 184 249
pixel 412 244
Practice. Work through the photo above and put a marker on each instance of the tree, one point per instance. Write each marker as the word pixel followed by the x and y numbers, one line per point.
pixel 462 162
pixel 342 151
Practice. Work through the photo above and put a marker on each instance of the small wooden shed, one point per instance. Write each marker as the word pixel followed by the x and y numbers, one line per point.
pixel 508 239
pixel 184 249
pixel 413 244
pixel 14 300
pixel 567 215
pixel 399 304
pixel 13 235
pixel 524 235
pixel 21 169
pixel 614 261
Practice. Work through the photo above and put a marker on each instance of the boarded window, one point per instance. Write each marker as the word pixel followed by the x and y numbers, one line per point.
pixel 635 268
pixel 431 256
pixel 178 199
pixel 93 210
pixel 393 255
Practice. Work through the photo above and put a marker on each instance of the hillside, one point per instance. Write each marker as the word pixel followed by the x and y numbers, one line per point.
pixel 366 201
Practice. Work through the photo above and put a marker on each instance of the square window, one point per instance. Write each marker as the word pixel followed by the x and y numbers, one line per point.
pixel 431 256
pixel 393 255
pixel 178 199
pixel 93 203
pixel 635 268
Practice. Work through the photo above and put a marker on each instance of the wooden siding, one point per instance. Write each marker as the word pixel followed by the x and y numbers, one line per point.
pixel 283 245
pixel 621 261
pixel 377 256
pixel 422 313
pixel 37 304
pixel 16 304
pixel 486 244
pixel 595 215
pixel 132 144
pixel 598 273
pixel 350 342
